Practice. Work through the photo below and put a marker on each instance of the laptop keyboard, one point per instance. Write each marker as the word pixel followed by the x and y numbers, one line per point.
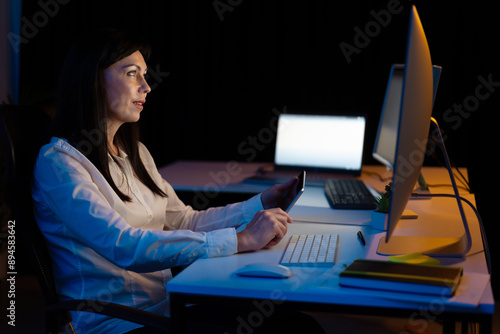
pixel 349 194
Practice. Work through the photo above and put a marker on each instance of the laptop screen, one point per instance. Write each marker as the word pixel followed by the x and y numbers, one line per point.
pixel 330 143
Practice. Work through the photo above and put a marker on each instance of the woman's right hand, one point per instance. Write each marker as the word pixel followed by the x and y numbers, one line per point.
pixel 267 228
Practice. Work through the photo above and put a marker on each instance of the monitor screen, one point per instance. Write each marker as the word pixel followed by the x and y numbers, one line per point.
pixel 384 149
pixel 320 141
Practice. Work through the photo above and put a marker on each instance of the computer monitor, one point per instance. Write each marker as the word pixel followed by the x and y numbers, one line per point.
pixel 413 122
pixel 414 119
pixel 384 149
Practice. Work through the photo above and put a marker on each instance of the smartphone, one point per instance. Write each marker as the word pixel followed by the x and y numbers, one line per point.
pixel 292 197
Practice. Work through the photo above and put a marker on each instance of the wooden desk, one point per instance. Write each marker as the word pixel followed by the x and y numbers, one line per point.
pixel 317 288
pixel 203 184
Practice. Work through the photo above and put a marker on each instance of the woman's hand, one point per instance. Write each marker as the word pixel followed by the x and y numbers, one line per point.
pixel 272 197
pixel 267 228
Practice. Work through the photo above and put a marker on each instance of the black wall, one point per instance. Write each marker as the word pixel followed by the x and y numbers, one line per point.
pixel 220 69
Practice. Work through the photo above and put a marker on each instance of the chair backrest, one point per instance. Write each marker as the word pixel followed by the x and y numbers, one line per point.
pixel 21 129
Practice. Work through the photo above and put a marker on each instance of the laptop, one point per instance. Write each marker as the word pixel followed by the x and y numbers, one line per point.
pixel 322 145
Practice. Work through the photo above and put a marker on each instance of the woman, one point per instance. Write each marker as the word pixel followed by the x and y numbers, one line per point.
pixel 113 226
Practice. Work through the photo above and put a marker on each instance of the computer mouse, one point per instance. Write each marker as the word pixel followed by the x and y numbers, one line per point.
pixel 267 270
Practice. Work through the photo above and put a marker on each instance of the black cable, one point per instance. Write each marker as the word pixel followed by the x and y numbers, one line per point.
pixel 446 185
pixel 462 178
pixel 481 226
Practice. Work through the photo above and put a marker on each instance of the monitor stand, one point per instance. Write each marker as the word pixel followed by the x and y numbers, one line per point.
pixel 421 189
pixel 450 247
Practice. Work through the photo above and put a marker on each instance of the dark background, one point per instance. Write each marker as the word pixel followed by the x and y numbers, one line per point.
pixel 219 69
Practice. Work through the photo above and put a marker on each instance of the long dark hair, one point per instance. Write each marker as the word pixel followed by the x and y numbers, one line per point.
pixel 82 102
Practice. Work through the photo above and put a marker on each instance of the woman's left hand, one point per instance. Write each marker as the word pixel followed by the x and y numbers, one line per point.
pixel 273 196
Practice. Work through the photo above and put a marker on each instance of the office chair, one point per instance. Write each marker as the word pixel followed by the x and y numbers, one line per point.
pixel 20 130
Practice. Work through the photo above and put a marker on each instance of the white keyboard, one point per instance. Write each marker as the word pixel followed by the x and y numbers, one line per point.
pixel 311 250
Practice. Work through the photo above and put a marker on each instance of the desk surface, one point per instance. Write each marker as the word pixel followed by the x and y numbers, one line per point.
pixel 230 176
pixel 312 214
pixel 311 285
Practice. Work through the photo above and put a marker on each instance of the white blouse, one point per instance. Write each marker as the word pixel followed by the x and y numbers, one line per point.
pixel 106 249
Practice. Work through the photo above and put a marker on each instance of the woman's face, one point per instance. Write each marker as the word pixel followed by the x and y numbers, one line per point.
pixel 126 89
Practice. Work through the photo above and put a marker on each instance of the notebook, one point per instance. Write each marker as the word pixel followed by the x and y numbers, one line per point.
pixel 402 277
pixel 322 145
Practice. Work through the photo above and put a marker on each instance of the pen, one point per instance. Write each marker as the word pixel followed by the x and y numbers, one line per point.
pixel 361 238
